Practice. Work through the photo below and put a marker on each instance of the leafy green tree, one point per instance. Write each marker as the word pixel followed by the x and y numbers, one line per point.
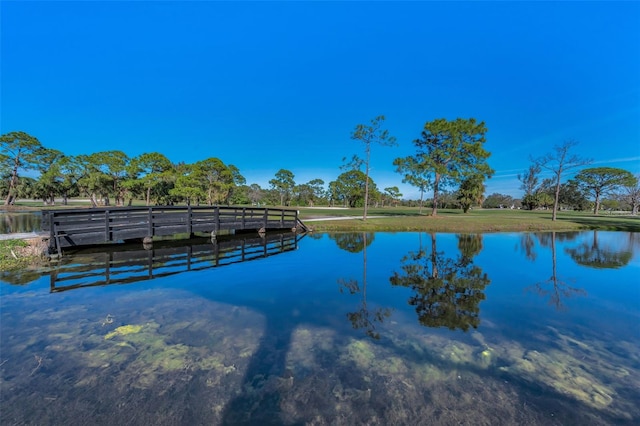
pixel 310 192
pixel 572 196
pixel 188 186
pixel 558 162
pixel 414 175
pixel 283 184
pixel 214 178
pixel 631 194
pixel 108 171
pixel 496 201
pixel 450 151
pixel 471 192
pixel 51 179
pixel 150 171
pixel 20 151
pixel 370 134
pixel 349 188
pixel 599 181
pixel 392 194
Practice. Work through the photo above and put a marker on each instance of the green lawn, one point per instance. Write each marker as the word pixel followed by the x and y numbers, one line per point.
pixel 409 219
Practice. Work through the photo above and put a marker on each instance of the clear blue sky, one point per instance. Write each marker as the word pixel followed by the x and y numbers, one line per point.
pixel 271 85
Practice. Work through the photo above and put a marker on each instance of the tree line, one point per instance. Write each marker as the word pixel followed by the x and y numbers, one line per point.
pixel 450 161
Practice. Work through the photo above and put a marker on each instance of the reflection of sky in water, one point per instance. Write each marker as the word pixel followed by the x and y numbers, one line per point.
pixel 522 338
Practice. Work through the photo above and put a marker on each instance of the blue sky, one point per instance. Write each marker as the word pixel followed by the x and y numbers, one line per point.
pixel 271 85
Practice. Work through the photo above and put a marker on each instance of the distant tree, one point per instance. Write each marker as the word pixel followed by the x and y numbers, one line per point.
pixel 370 134
pixel 393 194
pixel 631 194
pixel 471 192
pixel 109 171
pixel 558 162
pixel 349 188
pixel 530 179
pixel 414 174
pixel 187 185
pixel 150 170
pixel 283 183
pixel 599 181
pixel 255 193
pixel 572 196
pixel 450 151
pixel 50 181
pixel 216 179
pixel 20 151
pixel 496 200
pixel 308 193
pixel 530 185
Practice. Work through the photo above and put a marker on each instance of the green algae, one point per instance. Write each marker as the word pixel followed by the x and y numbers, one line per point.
pixel 123 331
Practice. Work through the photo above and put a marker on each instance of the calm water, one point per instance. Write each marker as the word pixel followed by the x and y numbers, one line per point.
pixel 19 222
pixel 338 329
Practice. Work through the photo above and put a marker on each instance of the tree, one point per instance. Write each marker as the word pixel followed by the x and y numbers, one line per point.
pixel 19 149
pixel 572 196
pixel 529 184
pixel 350 188
pixel 558 162
pixel 530 179
pixel 150 170
pixel 471 192
pixel 310 192
pixel 631 194
pixel 414 175
pixel 214 178
pixel 451 151
pixel 370 134
pixel 255 193
pixel 50 181
pixel 497 201
pixel 283 183
pixel 599 181
pixel 393 194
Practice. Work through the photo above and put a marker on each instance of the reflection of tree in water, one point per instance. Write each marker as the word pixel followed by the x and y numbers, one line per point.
pixel 448 291
pixel 365 317
pixel 527 245
pixel 597 255
pixel 555 288
pixel 353 242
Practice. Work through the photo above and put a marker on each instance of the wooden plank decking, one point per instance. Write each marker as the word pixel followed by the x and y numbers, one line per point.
pixel 82 227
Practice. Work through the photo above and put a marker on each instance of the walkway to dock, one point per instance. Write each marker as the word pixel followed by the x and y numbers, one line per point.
pixel 82 227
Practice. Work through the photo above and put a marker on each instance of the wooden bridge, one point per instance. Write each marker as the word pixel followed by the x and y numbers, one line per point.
pixel 82 227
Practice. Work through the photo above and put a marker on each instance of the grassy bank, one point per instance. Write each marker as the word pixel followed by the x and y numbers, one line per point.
pixel 20 254
pixel 407 219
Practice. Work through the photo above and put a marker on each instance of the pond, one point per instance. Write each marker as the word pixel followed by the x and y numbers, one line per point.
pixel 341 329
pixel 14 222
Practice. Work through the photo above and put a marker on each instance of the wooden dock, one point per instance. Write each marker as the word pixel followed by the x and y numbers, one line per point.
pixel 83 227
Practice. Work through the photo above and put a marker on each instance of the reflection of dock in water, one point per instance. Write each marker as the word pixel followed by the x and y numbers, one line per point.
pixel 129 263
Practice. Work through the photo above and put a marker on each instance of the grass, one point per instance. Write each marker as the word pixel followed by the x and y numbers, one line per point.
pixel 12 255
pixel 409 219
pixel 447 220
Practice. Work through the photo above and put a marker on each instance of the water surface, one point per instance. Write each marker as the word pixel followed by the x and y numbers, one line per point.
pixel 365 328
